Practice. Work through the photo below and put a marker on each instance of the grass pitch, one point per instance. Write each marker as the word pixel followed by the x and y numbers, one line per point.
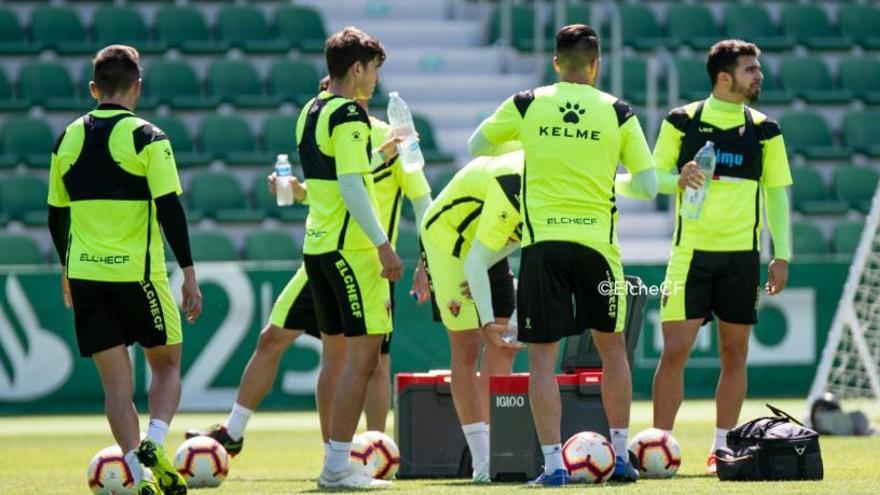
pixel 49 454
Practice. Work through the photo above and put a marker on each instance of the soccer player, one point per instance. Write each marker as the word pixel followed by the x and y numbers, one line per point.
pixel 346 253
pixel 573 136
pixel 112 183
pixel 467 234
pixel 715 264
pixel 293 313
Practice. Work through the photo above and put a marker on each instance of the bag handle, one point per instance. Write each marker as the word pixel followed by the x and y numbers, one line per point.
pixel 780 412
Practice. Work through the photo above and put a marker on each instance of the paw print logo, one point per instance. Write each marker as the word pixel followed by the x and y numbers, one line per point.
pixel 356 135
pixel 571 113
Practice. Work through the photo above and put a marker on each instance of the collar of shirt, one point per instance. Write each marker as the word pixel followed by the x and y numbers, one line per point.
pixel 723 106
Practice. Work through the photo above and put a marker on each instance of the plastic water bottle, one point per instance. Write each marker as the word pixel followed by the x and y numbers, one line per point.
pixel 402 126
pixel 694 198
pixel 283 174
pixel 512 333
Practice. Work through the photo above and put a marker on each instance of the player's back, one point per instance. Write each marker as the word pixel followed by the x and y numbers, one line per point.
pixel 108 166
pixel 573 140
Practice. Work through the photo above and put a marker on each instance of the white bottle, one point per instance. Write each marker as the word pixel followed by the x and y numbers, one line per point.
pixel 283 174
pixel 400 119
pixel 694 198
pixel 512 334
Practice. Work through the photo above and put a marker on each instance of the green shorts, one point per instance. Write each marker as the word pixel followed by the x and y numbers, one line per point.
pixel 294 309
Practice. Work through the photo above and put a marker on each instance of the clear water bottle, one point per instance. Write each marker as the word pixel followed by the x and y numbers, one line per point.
pixel 283 174
pixel 402 126
pixel 694 198
pixel 512 333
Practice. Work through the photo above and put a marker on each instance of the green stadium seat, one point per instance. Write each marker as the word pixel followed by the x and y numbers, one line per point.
pixel 236 81
pixel 211 246
pixel 807 133
pixel 810 194
pixel 266 201
pixel 428 143
pixel 279 135
pixel 810 26
pixel 184 27
pixel 407 243
pixel 219 195
pixel 12 36
pixel 304 25
pixel 859 23
pixel 576 13
pixel 175 82
pixel 29 140
pixel 522 27
pixel 692 25
pixel 60 29
pixel 641 30
pixel 753 23
pixel 8 101
pixel 808 240
pixel 635 80
pixel 230 138
pixel 19 249
pixel 693 80
pixel 861 76
pixel 261 245
pixel 294 81
pixel 49 85
pixel 855 185
pixel 810 79
pixel 117 24
pixel 772 91
pixel 859 132
pixel 245 27
pixel 185 153
pixel 846 237
pixel 23 198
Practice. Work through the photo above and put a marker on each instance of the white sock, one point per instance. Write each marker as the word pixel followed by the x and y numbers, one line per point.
pixel 477 436
pixel 618 441
pixel 720 440
pixel 157 431
pixel 134 465
pixel 552 457
pixel 237 421
pixel 337 456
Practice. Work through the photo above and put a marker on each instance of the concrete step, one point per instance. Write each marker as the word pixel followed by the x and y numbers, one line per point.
pixel 397 10
pixel 426 34
pixel 457 88
pixel 474 60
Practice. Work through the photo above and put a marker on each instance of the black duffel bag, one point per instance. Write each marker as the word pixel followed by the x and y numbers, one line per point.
pixel 771 448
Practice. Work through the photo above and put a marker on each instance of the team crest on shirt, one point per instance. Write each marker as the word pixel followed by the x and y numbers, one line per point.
pixel 454 307
pixel 352 110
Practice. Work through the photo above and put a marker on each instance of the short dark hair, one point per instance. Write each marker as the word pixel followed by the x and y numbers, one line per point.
pixel 724 55
pixel 348 46
pixel 577 45
pixel 116 69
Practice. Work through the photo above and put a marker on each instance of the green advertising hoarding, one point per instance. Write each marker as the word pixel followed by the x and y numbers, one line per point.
pixel 41 371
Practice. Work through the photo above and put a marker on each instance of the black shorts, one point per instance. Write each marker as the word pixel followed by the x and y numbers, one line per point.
pixel 108 314
pixel 702 283
pixel 503 292
pixel 350 296
pixel 559 291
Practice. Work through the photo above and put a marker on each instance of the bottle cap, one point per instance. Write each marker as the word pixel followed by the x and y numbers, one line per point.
pixel 282 157
pixel 710 143
pixel 394 94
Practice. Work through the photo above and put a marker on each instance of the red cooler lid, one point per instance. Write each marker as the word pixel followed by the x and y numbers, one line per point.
pixel 433 377
pixel 518 383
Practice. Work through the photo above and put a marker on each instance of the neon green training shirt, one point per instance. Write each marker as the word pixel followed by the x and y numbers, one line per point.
pixel 573 136
pixel 481 201
pixel 108 166
pixel 390 181
pixel 333 138
pixel 731 218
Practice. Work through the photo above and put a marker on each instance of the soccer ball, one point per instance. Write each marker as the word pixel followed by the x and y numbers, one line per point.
pixel 202 461
pixel 376 454
pixel 108 473
pixel 658 453
pixel 588 457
